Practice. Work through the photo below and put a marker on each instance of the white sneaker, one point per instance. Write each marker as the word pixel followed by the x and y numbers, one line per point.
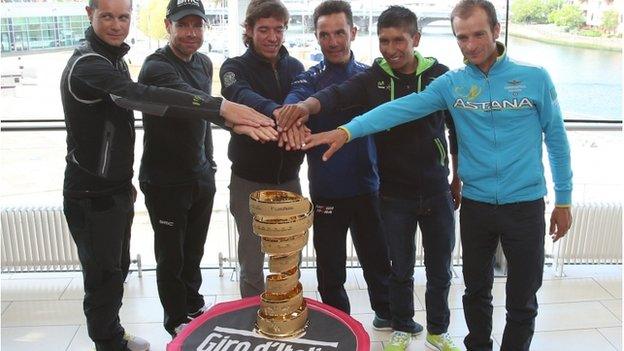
pixel 136 343
pixel 177 330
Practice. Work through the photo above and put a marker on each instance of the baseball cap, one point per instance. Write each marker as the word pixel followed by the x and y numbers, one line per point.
pixel 178 9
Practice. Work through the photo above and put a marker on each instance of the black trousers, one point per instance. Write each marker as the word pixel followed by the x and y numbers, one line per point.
pixel 520 227
pixel 180 216
pixel 100 228
pixel 434 215
pixel 332 219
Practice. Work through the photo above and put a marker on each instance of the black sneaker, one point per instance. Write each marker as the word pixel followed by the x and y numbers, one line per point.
pixel 382 324
pixel 412 328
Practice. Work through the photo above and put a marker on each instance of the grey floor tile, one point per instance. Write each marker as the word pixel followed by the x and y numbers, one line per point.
pixel 43 313
pixel 615 306
pixel 33 289
pixel 37 338
pixel 614 335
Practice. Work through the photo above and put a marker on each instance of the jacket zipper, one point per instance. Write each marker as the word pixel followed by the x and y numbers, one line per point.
pixel 487 81
pixel 105 157
pixel 281 163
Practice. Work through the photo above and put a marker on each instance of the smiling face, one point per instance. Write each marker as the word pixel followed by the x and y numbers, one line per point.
pixel 334 35
pixel 186 35
pixel 477 39
pixel 267 36
pixel 111 20
pixel 397 47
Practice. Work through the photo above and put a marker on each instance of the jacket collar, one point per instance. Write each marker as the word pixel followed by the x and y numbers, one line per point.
pixel 424 63
pixel 497 66
pixel 109 51
pixel 327 65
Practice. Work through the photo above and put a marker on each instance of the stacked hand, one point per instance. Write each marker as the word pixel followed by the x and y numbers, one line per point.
pixel 288 116
pixel 247 121
pixel 293 132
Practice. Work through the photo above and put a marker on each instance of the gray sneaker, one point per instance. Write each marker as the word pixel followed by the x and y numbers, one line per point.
pixel 136 343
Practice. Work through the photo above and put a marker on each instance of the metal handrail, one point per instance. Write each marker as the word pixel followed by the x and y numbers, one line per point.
pixel 39 125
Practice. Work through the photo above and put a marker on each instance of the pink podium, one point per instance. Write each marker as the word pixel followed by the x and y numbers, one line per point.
pixel 230 326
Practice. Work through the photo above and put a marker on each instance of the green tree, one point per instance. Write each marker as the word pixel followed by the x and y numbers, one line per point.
pixel 151 19
pixel 533 11
pixel 568 17
pixel 610 20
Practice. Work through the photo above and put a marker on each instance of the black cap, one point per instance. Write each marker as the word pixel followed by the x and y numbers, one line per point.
pixel 178 9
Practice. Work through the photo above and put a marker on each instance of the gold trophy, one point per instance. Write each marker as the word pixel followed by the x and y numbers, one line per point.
pixel 282 220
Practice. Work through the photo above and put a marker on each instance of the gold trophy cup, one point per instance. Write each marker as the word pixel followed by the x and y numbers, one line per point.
pixel 282 220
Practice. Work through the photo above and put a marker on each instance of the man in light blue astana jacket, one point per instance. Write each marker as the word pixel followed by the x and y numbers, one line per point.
pixel 504 111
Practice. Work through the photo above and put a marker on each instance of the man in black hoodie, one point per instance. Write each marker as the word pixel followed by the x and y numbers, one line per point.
pixel 177 168
pixel 98 96
pixel 413 171
pixel 260 79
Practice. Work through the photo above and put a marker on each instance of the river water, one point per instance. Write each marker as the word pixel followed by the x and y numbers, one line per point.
pixel 588 82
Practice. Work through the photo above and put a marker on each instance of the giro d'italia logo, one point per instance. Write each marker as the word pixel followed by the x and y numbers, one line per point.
pixel 243 340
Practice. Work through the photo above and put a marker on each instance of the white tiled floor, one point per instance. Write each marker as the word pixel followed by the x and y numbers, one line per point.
pixel 43 311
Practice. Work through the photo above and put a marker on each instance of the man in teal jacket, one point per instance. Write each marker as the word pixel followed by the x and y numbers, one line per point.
pixel 502 110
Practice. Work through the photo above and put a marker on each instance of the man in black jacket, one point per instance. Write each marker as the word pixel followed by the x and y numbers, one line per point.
pixel 177 168
pixel 98 95
pixel 260 79
pixel 413 171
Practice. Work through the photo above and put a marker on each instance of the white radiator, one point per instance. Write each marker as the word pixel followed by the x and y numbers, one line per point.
pixel 36 239
pixel 595 236
pixel 308 254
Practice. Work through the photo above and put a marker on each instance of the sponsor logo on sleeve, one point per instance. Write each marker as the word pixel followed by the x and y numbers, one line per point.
pixel 229 78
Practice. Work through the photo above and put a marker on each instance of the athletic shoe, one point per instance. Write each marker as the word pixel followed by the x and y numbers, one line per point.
pixel 398 341
pixel 198 313
pixel 177 330
pixel 382 324
pixel 413 328
pixel 441 342
pixel 136 343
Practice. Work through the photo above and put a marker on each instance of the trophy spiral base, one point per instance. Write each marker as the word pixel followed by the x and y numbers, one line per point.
pixel 288 326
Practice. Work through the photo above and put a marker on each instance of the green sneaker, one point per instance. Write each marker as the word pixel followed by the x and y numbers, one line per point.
pixel 441 342
pixel 398 341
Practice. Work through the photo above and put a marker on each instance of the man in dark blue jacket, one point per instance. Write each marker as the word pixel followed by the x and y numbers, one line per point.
pixel 344 190
pixel 260 79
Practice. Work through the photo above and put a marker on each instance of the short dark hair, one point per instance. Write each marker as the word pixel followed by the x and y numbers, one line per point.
pixel 330 7
pixel 263 9
pixel 398 17
pixel 94 4
pixel 464 9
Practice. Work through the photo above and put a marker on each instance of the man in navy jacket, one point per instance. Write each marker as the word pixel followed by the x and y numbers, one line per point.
pixel 345 190
pixel 260 79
